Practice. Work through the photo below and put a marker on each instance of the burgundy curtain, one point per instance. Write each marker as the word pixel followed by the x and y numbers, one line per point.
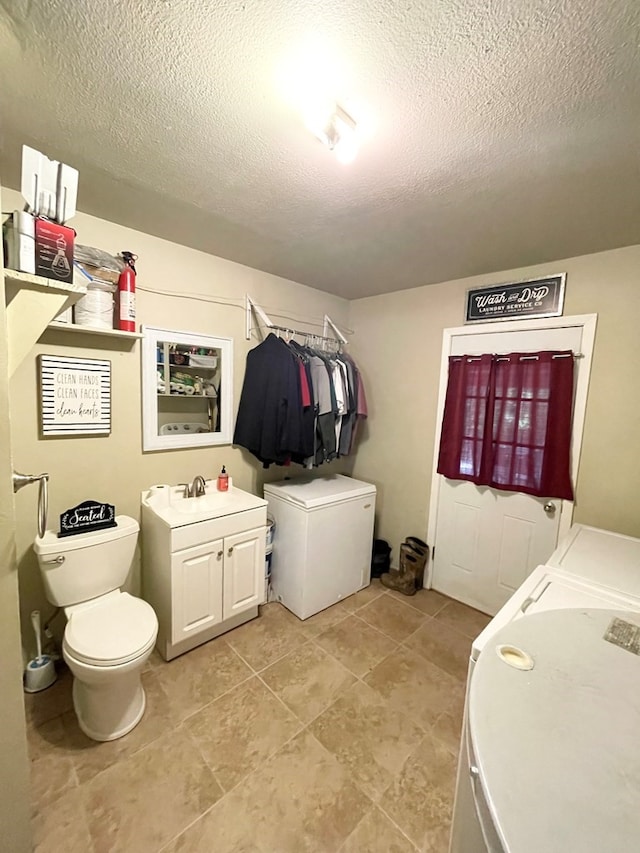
pixel 507 422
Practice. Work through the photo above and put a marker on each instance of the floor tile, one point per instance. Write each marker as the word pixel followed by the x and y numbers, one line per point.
pixel 145 800
pixel 240 730
pixel 356 645
pixel 307 680
pixel 465 619
pixel 427 601
pixel 275 633
pixel 448 729
pixel 300 801
pixel 91 757
pixel 47 738
pixel 52 702
pixel 225 828
pixel 62 826
pixel 200 676
pixel 364 596
pixel 51 776
pixel 394 618
pixel 376 834
pixel 318 623
pixel 414 686
pixel 212 724
pixel 444 646
pixel 420 798
pixel 370 739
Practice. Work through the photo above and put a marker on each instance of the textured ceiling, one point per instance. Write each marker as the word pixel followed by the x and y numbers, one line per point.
pixel 505 133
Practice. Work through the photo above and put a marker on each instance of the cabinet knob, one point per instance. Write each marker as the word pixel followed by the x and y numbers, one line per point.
pixel 220 553
pixel 230 551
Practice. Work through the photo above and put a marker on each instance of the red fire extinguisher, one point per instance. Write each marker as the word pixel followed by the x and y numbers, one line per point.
pixel 126 303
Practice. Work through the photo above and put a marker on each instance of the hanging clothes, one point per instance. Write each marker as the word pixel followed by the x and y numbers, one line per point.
pixel 298 404
pixel 270 422
pixel 362 410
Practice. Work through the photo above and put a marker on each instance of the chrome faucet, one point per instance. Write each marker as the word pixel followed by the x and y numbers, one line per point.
pixel 197 488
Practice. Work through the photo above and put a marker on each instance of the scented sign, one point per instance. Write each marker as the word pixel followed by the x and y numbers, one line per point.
pixel 87 516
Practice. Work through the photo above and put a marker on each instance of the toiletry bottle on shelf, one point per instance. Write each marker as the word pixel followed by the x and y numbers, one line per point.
pixel 223 480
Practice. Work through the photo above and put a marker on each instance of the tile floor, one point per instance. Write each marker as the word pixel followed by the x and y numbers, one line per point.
pixel 339 733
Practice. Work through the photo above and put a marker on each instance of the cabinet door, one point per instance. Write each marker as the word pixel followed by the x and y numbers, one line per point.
pixel 243 571
pixel 196 594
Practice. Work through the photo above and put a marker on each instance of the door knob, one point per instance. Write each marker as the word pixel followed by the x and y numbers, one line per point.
pixel 549 507
pixel 230 551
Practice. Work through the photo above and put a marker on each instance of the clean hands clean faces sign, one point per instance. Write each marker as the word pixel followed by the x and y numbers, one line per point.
pixel 75 396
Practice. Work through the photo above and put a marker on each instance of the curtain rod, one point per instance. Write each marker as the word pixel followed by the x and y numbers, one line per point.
pixel 522 357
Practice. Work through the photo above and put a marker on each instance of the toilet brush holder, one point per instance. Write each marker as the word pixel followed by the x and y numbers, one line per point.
pixel 39 674
pixel 41 671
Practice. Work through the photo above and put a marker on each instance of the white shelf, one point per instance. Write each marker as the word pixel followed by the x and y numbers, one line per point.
pixel 93 330
pixel 188 396
pixel 37 282
pixel 32 302
pixel 188 367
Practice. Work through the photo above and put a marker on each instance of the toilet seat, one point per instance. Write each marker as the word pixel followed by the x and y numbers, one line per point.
pixel 114 631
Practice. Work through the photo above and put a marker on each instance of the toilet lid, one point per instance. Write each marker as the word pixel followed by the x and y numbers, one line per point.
pixel 111 632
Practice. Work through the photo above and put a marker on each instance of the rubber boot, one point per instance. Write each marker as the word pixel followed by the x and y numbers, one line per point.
pixel 421 551
pixel 404 580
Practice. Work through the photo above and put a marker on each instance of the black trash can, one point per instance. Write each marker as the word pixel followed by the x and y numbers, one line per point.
pixel 380 558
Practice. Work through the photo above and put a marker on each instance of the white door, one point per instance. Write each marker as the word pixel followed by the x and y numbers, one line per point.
pixel 196 581
pixel 486 541
pixel 244 570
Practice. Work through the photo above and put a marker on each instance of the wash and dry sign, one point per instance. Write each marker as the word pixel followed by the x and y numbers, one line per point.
pixel 75 395
pixel 541 297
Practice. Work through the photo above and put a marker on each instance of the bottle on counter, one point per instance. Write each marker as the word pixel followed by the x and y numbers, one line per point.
pixel 223 480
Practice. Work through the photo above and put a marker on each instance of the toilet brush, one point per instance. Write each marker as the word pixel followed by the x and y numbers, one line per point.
pixel 40 672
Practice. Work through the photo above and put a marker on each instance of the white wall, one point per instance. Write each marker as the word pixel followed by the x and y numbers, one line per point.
pixel 398 342
pixel 114 468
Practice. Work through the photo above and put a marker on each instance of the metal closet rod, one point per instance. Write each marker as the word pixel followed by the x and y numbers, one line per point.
pixel 252 306
pixel 313 335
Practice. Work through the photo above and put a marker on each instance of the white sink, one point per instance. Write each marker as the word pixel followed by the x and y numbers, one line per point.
pixel 212 504
pixel 169 503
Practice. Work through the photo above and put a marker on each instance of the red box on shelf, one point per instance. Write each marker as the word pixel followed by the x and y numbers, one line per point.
pixel 54 250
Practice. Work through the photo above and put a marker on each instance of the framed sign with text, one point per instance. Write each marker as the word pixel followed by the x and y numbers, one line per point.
pixel 75 396
pixel 540 297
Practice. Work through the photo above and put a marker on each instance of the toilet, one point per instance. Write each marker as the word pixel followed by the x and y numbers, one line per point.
pixel 109 634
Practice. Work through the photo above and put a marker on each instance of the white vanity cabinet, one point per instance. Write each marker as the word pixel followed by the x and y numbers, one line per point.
pixel 203 564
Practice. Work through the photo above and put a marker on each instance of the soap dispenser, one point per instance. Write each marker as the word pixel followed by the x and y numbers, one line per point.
pixel 223 480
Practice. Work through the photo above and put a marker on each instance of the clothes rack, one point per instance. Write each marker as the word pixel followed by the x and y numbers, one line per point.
pixel 338 339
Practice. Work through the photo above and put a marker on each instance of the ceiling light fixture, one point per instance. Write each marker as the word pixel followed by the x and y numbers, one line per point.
pixel 338 132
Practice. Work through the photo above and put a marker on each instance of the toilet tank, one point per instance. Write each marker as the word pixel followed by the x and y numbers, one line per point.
pixel 81 567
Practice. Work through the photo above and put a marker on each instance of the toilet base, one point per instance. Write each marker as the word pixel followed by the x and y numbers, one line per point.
pixel 103 719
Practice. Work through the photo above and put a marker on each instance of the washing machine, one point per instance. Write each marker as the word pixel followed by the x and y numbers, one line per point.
pixel 590 570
